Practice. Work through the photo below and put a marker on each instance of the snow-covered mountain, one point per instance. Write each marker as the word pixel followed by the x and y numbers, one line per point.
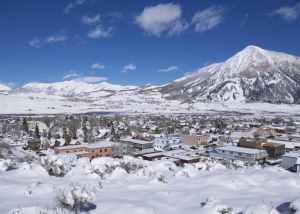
pixel 252 74
pixel 70 88
pixel 4 88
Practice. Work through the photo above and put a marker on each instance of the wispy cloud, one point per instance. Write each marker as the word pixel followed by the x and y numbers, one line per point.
pixel 98 66
pixel 170 68
pixel 154 20
pixel 35 43
pixel 208 18
pixel 244 20
pixel 99 32
pixel 71 74
pixel 90 79
pixel 56 38
pixel 287 13
pixel 116 15
pixel 71 5
pixel 90 20
pixel 130 66
pixel 9 84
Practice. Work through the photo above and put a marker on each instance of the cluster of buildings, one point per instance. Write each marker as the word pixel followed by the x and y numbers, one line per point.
pixel 156 137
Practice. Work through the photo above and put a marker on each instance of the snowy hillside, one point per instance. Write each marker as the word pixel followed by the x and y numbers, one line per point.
pixel 252 74
pixel 131 185
pixel 70 88
pixel 4 88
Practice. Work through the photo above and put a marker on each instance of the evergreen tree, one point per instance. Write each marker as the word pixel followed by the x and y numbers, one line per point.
pixel 157 131
pixel 25 125
pixel 64 131
pixel 49 135
pixel 67 139
pixel 112 129
pixel 74 133
pixel 37 131
pixel 84 129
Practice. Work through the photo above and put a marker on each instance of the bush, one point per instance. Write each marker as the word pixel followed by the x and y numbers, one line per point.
pixel 160 177
pixel 75 197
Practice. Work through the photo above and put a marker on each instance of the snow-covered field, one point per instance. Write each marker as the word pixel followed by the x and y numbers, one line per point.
pixel 131 185
pixel 129 102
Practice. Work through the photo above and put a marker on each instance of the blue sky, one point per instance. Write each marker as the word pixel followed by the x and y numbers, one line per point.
pixel 135 42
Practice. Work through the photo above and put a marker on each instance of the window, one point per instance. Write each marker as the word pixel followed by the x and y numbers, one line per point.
pixel 81 150
pixel 248 155
pixel 105 150
pixel 100 150
pixel 231 152
pixel 74 150
pixel 67 151
pixel 223 151
pixel 240 154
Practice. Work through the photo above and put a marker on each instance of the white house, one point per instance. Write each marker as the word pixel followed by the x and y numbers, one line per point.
pixel 239 153
pixel 291 161
pixel 167 143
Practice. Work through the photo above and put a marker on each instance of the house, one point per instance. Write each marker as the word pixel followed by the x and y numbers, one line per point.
pixel 177 157
pixel 102 149
pixel 34 143
pixel 138 146
pixel 167 143
pixel 295 137
pixel 266 131
pixel 239 153
pixel 194 140
pixel 32 124
pixel 291 161
pixel 274 150
pixel 253 143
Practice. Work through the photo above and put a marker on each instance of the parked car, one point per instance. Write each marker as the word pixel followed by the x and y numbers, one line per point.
pixel 42 154
pixel 24 148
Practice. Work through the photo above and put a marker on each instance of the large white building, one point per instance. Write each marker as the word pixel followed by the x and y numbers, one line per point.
pixel 239 153
pixel 167 143
pixel 291 161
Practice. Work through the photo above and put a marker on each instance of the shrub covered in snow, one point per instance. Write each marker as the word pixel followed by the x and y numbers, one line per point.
pixel 132 165
pixel 7 164
pixel 260 209
pixel 295 206
pixel 57 165
pixel 160 177
pixel 214 206
pixel 75 197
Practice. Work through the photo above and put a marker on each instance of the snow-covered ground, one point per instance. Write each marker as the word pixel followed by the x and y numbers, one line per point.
pixel 134 186
pixel 129 102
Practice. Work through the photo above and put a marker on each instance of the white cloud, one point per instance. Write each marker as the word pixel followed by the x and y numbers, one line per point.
pixel 35 43
pixel 130 66
pixel 92 20
pixel 70 6
pixel 208 18
pixel 162 17
pixel 116 15
pixel 9 84
pixel 244 20
pixel 98 66
pixel 56 38
pixel 288 13
pixel 90 79
pixel 71 74
pixel 100 32
pixel 170 68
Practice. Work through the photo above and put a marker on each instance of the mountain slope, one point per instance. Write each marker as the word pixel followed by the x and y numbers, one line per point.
pixel 70 88
pixel 4 88
pixel 252 74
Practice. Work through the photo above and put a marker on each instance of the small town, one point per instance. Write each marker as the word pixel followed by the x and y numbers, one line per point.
pixel 182 139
